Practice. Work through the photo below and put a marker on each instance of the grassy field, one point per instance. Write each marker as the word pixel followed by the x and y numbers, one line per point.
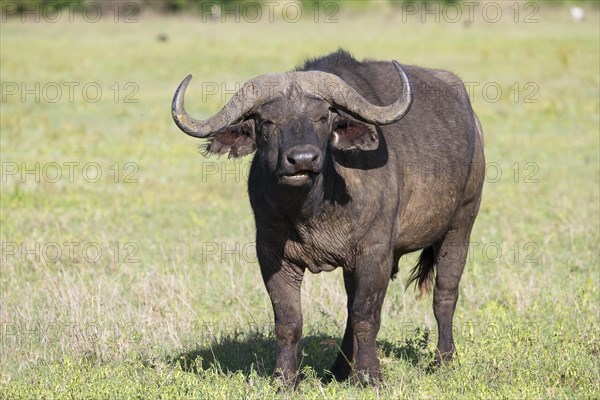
pixel 128 269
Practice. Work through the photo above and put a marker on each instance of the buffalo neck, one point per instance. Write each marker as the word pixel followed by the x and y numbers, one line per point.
pixel 274 203
pixel 297 204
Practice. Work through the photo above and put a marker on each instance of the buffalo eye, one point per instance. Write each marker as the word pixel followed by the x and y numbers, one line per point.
pixel 265 123
pixel 323 120
pixel 267 126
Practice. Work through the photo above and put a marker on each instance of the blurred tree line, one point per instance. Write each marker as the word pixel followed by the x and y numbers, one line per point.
pixel 16 7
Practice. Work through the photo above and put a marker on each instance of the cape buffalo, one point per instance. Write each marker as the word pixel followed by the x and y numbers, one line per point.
pixel 356 164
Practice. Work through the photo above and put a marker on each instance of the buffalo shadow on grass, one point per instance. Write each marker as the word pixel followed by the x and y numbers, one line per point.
pixel 257 352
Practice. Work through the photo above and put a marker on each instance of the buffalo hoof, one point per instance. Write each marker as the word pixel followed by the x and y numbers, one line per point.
pixel 366 377
pixel 286 381
pixel 340 370
pixel 443 358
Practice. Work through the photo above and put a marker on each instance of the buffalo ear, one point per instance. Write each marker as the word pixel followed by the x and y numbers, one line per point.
pixel 236 139
pixel 350 134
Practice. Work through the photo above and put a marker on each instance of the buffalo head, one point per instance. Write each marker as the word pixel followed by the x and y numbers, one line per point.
pixel 290 119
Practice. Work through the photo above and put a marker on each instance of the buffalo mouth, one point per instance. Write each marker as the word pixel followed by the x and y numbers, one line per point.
pixel 299 178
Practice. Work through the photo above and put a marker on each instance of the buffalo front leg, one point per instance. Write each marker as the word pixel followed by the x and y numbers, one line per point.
pixel 283 284
pixel 366 284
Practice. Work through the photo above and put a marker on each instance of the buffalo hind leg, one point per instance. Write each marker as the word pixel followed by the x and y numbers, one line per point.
pixel 451 255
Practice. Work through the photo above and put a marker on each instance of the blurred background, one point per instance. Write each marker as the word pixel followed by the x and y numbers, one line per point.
pixel 128 265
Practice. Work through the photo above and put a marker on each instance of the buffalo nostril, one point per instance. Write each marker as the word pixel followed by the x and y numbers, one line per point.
pixel 302 157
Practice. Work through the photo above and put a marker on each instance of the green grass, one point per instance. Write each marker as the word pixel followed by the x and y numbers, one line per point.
pixel 175 320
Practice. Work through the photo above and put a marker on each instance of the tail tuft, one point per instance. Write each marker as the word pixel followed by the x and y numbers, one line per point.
pixel 423 273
